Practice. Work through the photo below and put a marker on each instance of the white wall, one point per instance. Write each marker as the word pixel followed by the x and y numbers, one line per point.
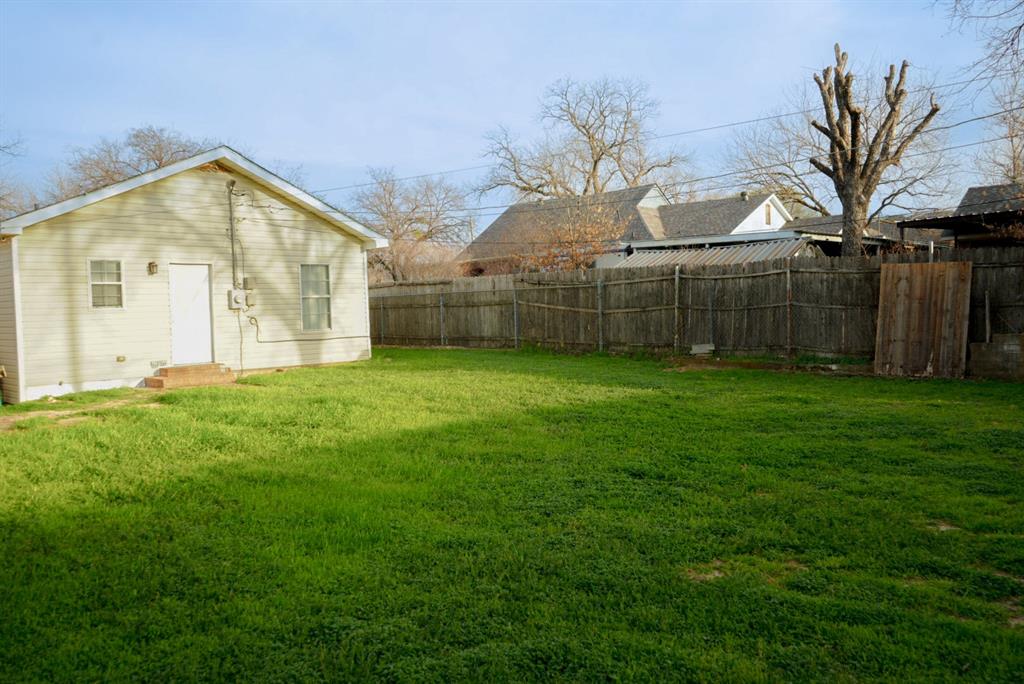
pixel 757 219
pixel 181 219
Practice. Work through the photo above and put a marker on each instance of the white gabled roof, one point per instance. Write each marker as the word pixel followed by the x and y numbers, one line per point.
pixel 223 155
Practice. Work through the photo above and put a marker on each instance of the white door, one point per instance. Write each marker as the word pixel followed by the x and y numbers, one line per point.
pixel 191 333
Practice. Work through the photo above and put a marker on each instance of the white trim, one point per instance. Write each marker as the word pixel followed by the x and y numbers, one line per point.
pixel 223 155
pixel 19 337
pixel 330 303
pixel 366 300
pixel 124 291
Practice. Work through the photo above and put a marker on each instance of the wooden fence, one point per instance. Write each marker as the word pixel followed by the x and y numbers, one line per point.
pixel 822 306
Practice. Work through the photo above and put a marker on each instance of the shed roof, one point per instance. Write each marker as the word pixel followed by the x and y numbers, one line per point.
pixel 223 155
pixel 732 254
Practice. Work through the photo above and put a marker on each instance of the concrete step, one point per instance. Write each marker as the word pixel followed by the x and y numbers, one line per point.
pixel 197 375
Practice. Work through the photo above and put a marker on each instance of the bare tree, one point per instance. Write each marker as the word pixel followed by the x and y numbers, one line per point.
pixel 774 154
pixel 1000 25
pixel 424 221
pixel 859 155
pixel 14 196
pixel 1002 160
pixel 109 161
pixel 596 139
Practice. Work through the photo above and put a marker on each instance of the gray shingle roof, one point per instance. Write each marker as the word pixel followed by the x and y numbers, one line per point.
pixel 710 217
pixel 991 199
pixel 523 225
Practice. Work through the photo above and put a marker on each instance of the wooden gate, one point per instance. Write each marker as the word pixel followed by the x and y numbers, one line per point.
pixel 922 319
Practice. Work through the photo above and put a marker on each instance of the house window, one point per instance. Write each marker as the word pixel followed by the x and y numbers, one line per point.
pixel 315 286
pixel 768 214
pixel 105 284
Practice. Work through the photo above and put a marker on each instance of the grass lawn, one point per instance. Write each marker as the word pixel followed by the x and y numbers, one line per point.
pixel 453 515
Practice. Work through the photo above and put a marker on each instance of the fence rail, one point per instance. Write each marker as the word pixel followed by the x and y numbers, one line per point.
pixel 824 306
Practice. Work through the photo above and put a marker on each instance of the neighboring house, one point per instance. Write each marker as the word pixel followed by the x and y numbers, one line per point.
pixel 524 229
pixel 988 215
pixel 645 217
pixel 104 289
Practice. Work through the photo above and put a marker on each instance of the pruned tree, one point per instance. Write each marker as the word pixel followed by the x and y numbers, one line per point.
pixel 569 238
pixel 425 222
pixel 109 161
pixel 999 25
pixel 858 155
pixel 596 139
pixel 774 154
pixel 1002 159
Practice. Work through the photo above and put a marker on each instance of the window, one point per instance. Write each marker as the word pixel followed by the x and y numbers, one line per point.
pixel 105 284
pixel 768 214
pixel 315 287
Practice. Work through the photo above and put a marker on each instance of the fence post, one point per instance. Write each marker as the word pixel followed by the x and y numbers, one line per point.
pixel 675 312
pixel 711 311
pixel 600 315
pixel 382 320
pixel 515 317
pixel 789 309
pixel 441 299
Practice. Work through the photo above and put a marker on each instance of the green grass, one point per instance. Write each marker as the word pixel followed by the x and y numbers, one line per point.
pixel 471 515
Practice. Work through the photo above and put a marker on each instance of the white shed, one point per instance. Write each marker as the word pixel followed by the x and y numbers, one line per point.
pixel 211 260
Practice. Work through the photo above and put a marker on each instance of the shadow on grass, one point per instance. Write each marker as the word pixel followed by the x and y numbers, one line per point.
pixel 632 536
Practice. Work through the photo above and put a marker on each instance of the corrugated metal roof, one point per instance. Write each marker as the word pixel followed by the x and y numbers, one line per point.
pixel 713 256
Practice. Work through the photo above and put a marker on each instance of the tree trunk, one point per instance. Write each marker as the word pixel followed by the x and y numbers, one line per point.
pixel 855 221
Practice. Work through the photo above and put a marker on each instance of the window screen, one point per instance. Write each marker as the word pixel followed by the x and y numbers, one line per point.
pixel 315 284
pixel 107 288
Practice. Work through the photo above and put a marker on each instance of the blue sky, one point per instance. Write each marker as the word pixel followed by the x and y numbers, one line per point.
pixel 340 87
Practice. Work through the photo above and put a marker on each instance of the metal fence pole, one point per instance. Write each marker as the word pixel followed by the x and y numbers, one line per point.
pixel 600 315
pixel 441 299
pixel 515 317
pixel 675 312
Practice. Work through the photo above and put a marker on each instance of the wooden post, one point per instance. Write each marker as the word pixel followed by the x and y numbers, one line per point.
pixel 515 317
pixel 382 320
pixel 988 320
pixel 675 312
pixel 443 341
pixel 789 309
pixel 600 315
pixel 711 312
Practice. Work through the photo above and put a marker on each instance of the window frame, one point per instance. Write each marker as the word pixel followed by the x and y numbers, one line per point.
pixel 329 297
pixel 88 269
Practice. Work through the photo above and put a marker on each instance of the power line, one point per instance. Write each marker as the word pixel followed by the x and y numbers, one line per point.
pixel 692 131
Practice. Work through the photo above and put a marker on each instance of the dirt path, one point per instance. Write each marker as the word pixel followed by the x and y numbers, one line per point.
pixel 75 415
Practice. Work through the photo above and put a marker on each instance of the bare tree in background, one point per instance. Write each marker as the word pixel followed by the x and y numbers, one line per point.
pixel 596 139
pixel 109 161
pixel 858 156
pixel 1000 25
pixel 570 238
pixel 14 196
pixel 1002 160
pixel 425 223
pixel 775 154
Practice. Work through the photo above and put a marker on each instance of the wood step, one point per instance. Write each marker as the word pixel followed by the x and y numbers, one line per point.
pixel 196 375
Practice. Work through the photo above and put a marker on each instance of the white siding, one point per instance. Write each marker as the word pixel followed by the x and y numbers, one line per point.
pixel 756 220
pixel 8 322
pixel 182 219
